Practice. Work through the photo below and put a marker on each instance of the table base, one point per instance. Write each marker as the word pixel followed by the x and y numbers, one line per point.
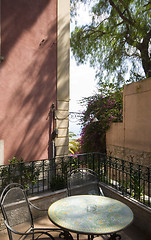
pixel 65 235
pixel 115 236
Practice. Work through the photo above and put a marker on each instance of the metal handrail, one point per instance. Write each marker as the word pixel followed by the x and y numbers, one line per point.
pixel 129 178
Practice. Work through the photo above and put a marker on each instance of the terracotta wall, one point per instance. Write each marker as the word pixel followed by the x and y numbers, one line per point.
pixel 131 139
pixel 28 77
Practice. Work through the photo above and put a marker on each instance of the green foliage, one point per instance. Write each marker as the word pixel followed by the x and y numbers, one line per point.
pixel 101 110
pixel 58 183
pixel 117 41
pixel 136 188
pixel 74 144
pixel 133 186
pixel 19 172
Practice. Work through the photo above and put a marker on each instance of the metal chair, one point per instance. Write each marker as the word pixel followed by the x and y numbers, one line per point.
pixel 83 181
pixel 16 209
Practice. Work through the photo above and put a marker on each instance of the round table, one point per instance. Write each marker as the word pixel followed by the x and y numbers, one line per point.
pixel 90 214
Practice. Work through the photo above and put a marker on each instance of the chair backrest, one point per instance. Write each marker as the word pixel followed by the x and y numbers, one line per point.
pixel 83 181
pixel 15 208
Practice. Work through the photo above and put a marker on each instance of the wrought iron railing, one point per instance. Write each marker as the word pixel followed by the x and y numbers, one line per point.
pixel 129 178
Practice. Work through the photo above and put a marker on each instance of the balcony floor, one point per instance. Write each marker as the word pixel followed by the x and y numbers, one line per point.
pixel 130 233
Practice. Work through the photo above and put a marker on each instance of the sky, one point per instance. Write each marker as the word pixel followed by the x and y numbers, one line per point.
pixel 82 79
pixel 82 84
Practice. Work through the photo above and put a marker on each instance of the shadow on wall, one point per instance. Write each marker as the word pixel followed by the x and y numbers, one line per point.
pixel 19 15
pixel 29 88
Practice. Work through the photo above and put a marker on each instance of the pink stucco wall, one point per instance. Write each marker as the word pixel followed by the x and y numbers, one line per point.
pixel 28 76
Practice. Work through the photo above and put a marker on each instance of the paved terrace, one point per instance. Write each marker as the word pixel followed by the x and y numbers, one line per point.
pixel 130 233
pixel 135 231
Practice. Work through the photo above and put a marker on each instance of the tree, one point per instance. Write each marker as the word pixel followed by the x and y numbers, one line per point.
pixel 101 110
pixel 117 41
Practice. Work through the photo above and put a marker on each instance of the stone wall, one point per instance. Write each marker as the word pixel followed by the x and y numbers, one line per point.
pixel 130 140
pixel 131 155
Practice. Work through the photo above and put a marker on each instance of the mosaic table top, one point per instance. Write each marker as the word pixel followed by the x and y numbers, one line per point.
pixel 90 214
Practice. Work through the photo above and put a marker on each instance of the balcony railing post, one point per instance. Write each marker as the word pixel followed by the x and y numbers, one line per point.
pixel 32 171
pixel 93 161
pixel 43 174
pixel 78 161
pixel 149 179
pixel 116 169
pixel 123 169
pixel 21 172
pixel 99 165
pixel 105 167
pixel 109 175
pixel 131 170
pixel 139 182
pixel 86 162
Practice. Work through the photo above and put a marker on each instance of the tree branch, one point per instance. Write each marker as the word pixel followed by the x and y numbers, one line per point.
pixel 126 9
pixel 95 30
pixel 149 3
pixel 120 13
pixel 129 40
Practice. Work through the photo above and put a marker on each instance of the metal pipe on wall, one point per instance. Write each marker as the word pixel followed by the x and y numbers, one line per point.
pixel 0 28
pixel 1 57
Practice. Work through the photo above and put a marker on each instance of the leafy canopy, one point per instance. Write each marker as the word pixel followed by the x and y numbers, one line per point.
pixel 117 42
pixel 101 110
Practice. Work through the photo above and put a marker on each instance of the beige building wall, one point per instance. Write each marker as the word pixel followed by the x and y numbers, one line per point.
pixel 63 59
pixel 131 140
